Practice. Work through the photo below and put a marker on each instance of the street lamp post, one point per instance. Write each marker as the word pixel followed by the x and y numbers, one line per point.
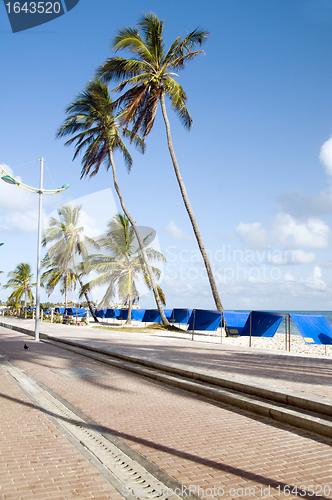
pixel 39 249
pixel 11 180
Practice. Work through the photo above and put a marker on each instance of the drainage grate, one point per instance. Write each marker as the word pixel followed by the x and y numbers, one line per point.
pixel 136 483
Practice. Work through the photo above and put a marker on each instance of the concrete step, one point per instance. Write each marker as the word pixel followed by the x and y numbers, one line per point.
pixel 304 411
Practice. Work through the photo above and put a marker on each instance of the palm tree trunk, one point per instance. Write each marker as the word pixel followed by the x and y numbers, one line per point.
pixel 96 320
pixel 25 303
pixel 141 245
pixel 66 293
pixel 130 307
pixel 189 209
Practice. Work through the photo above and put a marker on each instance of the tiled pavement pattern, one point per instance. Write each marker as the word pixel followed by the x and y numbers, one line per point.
pixel 287 370
pixel 202 444
pixel 36 460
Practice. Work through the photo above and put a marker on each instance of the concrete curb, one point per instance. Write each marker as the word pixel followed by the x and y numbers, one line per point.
pixel 304 411
pixel 266 407
pixel 308 402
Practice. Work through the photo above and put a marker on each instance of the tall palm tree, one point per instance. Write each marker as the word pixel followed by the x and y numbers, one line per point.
pixel 148 77
pixel 20 280
pixel 95 130
pixel 58 272
pixel 61 259
pixel 123 264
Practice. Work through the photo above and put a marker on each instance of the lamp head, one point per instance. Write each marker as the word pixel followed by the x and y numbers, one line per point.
pixel 9 180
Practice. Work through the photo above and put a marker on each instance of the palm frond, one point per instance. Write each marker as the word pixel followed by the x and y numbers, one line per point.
pixel 152 28
pixel 130 39
pixel 122 268
pixel 119 68
pixel 178 98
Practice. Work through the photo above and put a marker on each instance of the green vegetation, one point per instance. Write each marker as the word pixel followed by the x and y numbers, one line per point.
pixel 61 259
pixel 121 267
pixel 95 130
pixel 20 280
pixel 148 78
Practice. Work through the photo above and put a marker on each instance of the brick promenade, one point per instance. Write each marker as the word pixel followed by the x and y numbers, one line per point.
pixel 202 444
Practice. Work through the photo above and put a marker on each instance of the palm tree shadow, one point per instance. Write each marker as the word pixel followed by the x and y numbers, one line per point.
pixel 34 357
pixel 260 365
pixel 219 466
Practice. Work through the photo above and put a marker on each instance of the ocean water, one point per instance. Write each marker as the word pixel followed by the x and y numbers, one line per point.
pixel 293 329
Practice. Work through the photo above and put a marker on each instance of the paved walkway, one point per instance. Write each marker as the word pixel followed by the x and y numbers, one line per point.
pixel 304 373
pixel 217 451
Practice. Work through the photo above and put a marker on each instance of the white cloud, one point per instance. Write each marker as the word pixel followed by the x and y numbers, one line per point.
pixel 89 224
pixel 254 235
pixel 289 278
pixel 304 205
pixel 18 222
pixel 176 233
pixel 327 264
pixel 93 215
pixel 14 198
pixel 325 156
pixel 301 257
pixel 314 280
pixel 289 233
pixel 18 208
pixel 292 257
pixel 290 292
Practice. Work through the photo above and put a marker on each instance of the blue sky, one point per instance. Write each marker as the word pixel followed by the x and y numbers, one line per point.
pixel 257 163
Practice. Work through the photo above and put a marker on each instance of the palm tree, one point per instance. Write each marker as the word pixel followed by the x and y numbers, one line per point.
pixel 20 280
pixel 58 274
pixel 96 131
pixel 149 76
pixel 122 266
pixel 61 257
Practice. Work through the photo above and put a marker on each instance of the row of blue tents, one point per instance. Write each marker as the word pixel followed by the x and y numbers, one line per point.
pixel 78 312
pixel 315 329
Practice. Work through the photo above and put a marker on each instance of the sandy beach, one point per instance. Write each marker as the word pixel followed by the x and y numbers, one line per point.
pixel 277 342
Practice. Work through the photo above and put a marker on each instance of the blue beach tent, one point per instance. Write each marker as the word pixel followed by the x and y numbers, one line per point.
pixel 59 310
pixel 112 313
pixel 235 321
pixel 314 329
pixel 71 311
pixel 201 319
pixel 180 316
pixel 100 313
pixel 153 316
pixel 263 324
pixel 123 314
pixel 136 314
